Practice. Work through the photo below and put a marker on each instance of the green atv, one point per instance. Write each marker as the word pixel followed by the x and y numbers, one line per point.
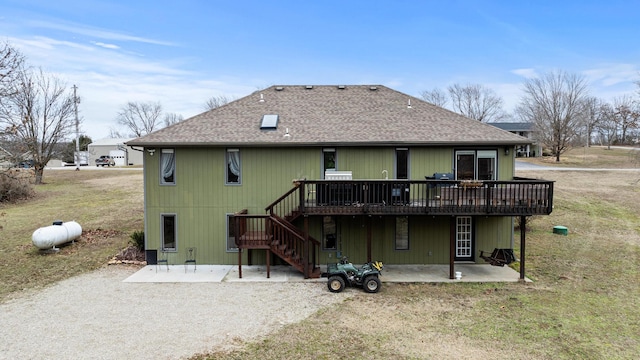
pixel 344 272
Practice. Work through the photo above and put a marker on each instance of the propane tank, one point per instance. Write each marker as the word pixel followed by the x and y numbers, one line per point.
pixel 49 237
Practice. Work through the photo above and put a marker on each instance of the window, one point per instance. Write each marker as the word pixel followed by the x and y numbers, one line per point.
pixel 168 232
pixel 328 160
pixel 476 165
pixel 402 163
pixel 167 167
pixel 231 234
pixel 234 167
pixel 329 233
pixel 402 233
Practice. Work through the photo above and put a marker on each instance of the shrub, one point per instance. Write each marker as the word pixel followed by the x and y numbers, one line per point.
pixel 15 185
pixel 137 239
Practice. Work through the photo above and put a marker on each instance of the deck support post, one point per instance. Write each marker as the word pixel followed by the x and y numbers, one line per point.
pixel 306 249
pixel 452 246
pixel 240 263
pixel 268 263
pixel 523 232
pixel 369 236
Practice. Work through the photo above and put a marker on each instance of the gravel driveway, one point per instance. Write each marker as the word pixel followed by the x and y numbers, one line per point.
pixel 98 316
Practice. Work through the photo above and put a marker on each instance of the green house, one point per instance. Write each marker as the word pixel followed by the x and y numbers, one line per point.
pixel 302 175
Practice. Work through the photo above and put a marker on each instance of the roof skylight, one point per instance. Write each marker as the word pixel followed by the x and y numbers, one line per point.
pixel 269 122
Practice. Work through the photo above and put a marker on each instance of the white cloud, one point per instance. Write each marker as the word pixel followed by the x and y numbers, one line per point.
pixel 527 73
pixel 84 30
pixel 106 46
pixel 613 74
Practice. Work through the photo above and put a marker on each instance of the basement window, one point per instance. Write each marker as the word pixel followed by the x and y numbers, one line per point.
pixel 168 232
pixel 402 233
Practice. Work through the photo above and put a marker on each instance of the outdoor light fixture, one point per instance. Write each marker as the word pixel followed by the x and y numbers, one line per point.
pixel 151 151
pixel 506 150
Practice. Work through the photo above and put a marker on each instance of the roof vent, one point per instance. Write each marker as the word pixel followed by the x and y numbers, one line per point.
pixel 373 88
pixel 279 88
pixel 269 122
pixel 341 87
pixel 261 98
pixel 309 87
pixel 409 104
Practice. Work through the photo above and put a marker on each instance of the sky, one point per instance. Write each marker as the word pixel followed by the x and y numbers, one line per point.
pixel 181 53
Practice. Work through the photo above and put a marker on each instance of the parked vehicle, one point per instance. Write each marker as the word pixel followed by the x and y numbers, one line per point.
pixel 105 160
pixel 345 273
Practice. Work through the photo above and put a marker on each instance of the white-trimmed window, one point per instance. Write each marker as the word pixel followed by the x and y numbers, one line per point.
pixel 167 167
pixel 476 164
pixel 402 233
pixel 329 162
pixel 234 167
pixel 169 232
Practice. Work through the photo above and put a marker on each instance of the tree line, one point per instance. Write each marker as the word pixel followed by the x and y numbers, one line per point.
pixel 559 106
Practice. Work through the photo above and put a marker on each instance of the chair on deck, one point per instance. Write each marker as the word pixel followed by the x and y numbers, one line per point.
pixel 499 257
pixel 191 258
pixel 162 258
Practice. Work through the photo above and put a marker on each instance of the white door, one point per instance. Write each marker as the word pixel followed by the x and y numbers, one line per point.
pixel 464 238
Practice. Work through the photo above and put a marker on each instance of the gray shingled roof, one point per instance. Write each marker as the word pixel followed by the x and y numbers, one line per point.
pixel 513 126
pixel 355 115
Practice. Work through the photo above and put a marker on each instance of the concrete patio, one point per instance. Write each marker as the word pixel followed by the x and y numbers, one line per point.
pixel 258 273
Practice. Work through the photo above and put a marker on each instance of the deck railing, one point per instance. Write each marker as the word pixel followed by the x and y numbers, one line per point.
pixel 405 197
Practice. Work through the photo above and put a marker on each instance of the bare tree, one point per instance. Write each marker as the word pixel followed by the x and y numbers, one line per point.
pixel 436 97
pixel 554 103
pixel 476 102
pixel 627 115
pixel 38 114
pixel 607 124
pixel 216 102
pixel 592 116
pixel 11 61
pixel 140 118
pixel 172 118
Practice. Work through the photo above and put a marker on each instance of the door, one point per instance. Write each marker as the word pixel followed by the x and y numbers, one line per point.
pixel 464 238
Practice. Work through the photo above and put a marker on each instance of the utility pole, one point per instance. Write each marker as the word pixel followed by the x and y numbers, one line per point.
pixel 75 103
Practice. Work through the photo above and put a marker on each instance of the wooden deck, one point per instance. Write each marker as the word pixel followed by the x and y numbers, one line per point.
pixel 431 197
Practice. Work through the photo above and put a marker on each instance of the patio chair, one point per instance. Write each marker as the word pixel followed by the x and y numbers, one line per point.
pixel 191 259
pixel 162 258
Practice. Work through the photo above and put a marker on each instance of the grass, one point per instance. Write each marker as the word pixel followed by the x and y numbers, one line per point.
pixel 107 204
pixel 583 302
pixel 596 157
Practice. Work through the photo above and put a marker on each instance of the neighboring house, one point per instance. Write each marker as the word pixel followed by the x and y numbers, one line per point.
pixel 121 153
pixel 524 129
pixel 306 174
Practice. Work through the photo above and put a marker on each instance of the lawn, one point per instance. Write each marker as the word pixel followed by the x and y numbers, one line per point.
pixel 583 301
pixel 107 204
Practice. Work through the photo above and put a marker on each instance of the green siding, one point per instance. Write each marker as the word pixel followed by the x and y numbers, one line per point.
pixel 202 201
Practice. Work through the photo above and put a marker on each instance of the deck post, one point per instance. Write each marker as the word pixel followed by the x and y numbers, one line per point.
pixel 369 235
pixel 523 232
pixel 240 263
pixel 305 247
pixel 452 246
pixel 268 263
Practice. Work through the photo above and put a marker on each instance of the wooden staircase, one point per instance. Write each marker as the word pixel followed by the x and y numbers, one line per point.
pixel 280 237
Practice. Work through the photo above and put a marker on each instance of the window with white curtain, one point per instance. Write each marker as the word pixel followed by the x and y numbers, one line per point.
pixel 234 168
pixel 167 167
